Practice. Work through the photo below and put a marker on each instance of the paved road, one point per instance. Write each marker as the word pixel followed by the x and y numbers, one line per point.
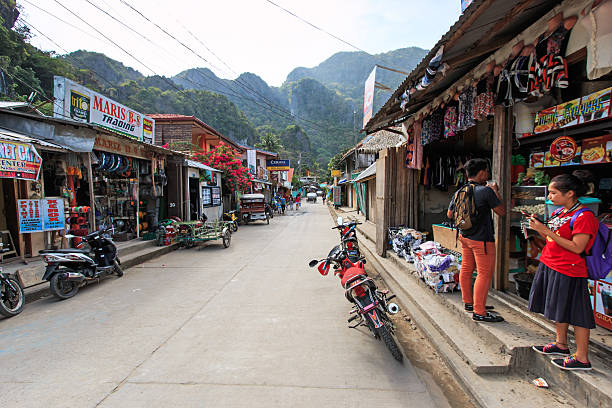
pixel 249 326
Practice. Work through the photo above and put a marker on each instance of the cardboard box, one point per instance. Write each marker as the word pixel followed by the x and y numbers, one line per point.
pixel 447 237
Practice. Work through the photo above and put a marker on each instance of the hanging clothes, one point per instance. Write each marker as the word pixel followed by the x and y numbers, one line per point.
pixel 450 120
pixel 598 23
pixel 484 101
pixel 549 68
pixel 465 118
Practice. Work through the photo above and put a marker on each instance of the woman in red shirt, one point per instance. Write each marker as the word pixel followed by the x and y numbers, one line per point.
pixel 560 288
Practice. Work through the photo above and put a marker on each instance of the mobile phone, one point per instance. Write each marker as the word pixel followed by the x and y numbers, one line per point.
pixel 527 215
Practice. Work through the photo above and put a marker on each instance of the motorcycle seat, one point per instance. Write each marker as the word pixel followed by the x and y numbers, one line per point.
pixel 64 251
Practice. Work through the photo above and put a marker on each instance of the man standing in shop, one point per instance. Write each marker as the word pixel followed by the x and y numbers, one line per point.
pixel 470 210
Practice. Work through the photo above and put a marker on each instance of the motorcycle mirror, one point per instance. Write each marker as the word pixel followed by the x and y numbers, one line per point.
pixel 313 263
pixel 339 221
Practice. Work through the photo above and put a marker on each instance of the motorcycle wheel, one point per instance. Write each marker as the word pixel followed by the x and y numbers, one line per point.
pixel 11 301
pixel 62 289
pixel 267 219
pixel 118 270
pixel 227 239
pixel 234 226
pixel 390 343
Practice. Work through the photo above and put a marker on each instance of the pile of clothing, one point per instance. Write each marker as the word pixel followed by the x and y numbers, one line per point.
pixel 440 271
pixel 403 240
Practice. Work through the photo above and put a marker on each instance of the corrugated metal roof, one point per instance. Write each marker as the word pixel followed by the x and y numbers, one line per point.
pixel 484 27
pixel 367 173
pixel 6 134
pixel 198 165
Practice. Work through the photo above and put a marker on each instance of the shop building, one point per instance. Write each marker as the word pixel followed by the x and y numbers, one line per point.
pixel 255 160
pixel 526 86
pixel 95 177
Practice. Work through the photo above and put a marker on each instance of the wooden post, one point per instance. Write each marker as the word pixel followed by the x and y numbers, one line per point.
pixel 382 199
pixel 92 198
pixel 502 161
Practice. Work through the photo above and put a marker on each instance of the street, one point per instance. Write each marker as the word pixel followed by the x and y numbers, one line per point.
pixel 251 325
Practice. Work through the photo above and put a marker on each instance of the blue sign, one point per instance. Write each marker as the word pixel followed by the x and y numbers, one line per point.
pixel 53 214
pixel 277 165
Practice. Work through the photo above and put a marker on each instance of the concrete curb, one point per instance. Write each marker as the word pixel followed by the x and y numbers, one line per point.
pixel 42 290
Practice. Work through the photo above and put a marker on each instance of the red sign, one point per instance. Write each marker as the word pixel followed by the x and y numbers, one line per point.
pixel 563 149
pixel 19 161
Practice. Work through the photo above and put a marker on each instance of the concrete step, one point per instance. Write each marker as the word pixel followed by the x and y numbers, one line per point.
pixel 129 247
pixel 500 347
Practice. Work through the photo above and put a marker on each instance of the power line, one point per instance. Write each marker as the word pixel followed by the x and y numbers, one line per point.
pixel 328 33
pixel 265 100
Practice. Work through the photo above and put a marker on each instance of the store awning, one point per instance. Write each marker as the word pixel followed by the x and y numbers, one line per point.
pixel 198 165
pixel 262 181
pixel 10 135
pixel 342 181
pixel 367 174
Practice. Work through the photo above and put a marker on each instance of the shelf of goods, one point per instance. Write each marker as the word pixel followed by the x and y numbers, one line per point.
pixel 530 199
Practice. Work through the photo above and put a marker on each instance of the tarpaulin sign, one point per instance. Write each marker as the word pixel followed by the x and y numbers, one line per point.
pixel 19 160
pixel 30 217
pixel 53 214
pixel 40 215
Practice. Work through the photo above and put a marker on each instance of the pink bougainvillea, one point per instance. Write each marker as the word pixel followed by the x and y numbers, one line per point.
pixel 222 157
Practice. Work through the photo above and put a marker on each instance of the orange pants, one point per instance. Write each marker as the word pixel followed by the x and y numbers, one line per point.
pixel 473 255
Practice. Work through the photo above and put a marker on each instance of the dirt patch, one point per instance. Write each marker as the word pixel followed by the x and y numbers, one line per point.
pixel 432 370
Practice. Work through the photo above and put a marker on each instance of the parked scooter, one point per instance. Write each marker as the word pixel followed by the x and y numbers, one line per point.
pixel 68 269
pixel 370 305
pixel 12 298
pixel 232 218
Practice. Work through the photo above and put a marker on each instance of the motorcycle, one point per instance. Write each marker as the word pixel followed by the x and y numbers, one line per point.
pixel 370 305
pixel 68 269
pixel 12 298
pixel 348 237
pixel 232 218
pixel 269 210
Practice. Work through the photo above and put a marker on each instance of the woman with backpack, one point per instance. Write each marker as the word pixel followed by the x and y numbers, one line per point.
pixel 560 289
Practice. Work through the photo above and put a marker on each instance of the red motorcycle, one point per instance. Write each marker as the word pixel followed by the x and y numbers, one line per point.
pixel 370 305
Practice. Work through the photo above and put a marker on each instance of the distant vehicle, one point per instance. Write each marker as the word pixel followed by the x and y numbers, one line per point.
pixel 320 193
pixel 311 197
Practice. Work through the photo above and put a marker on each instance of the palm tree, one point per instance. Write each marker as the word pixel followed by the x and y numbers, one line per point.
pixel 269 142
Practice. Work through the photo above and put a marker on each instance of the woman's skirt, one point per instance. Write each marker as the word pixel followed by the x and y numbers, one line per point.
pixel 561 298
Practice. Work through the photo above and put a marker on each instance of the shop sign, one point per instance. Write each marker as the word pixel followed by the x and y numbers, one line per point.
pixel 81 104
pixel 597 150
pixel 465 4
pixel 368 97
pixel 40 215
pixel 216 196
pixel 112 144
pixel 252 161
pixel 277 165
pixel 19 161
pixel 563 149
pixel 336 195
pixel 206 196
pixel 593 107
pixel 336 173
pixel 603 303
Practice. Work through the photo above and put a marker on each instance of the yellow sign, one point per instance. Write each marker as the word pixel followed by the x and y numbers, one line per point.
pixel 336 173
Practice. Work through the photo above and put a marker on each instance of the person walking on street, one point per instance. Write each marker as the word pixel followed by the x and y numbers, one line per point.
pixel 283 203
pixel 291 203
pixel 324 197
pixel 560 288
pixel 298 200
pixel 470 210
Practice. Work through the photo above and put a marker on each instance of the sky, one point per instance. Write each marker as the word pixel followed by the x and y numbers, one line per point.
pixel 234 36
